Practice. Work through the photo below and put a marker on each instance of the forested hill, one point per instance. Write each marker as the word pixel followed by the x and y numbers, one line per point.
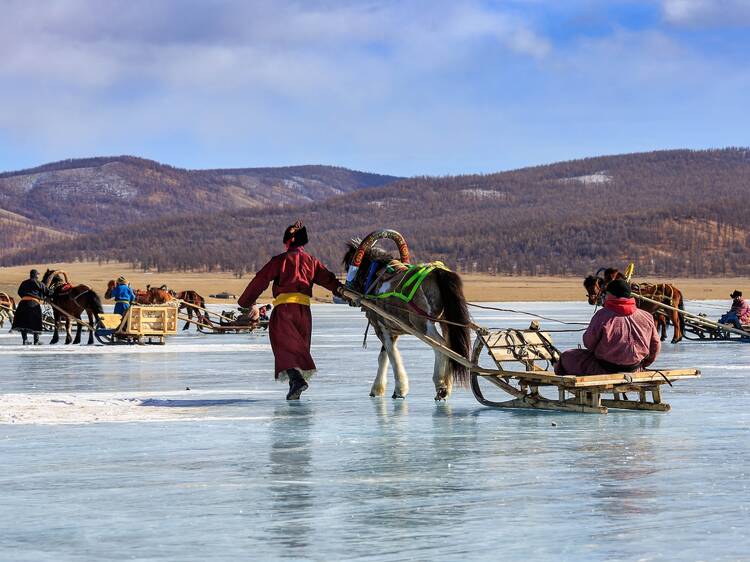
pixel 92 194
pixel 672 212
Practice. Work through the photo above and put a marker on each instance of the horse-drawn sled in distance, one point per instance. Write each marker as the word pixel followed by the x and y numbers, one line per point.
pixel 427 301
pixel 243 320
pixel 667 303
pixel 191 308
pixel 140 324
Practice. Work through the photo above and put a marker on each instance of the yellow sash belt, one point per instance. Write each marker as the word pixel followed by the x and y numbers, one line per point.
pixel 33 299
pixel 291 298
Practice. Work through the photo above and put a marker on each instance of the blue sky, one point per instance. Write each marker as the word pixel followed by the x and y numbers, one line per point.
pixel 402 87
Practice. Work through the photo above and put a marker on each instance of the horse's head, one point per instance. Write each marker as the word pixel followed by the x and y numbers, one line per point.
pixel 46 277
pixel 373 255
pixel 351 249
pixel 594 289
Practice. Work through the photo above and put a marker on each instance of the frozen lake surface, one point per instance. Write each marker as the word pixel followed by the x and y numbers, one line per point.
pixel 104 455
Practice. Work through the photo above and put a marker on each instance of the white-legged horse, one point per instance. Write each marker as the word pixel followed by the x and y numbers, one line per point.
pixel 437 298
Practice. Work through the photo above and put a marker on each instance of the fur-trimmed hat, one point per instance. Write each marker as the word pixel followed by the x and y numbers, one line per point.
pixel 735 294
pixel 296 235
pixel 33 274
pixel 121 280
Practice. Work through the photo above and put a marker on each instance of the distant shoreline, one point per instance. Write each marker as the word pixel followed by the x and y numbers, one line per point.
pixel 477 287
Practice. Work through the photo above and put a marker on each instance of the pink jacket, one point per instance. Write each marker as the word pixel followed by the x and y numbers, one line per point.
pixel 622 334
pixel 741 309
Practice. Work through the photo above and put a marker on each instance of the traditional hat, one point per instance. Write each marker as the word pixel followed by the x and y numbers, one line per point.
pixel 33 274
pixel 735 294
pixel 619 288
pixel 121 280
pixel 296 235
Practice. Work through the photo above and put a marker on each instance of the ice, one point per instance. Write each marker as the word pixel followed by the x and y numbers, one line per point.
pixel 115 460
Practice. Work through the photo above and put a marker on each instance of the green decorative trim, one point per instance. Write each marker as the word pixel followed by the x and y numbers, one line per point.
pixel 410 282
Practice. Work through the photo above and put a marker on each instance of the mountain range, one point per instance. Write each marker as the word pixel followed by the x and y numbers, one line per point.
pixel 676 212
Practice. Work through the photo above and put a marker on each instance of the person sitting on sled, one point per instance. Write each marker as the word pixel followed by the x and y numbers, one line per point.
pixel 293 275
pixel 739 314
pixel 620 338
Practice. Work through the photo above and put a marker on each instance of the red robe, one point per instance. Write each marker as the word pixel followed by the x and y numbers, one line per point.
pixel 290 327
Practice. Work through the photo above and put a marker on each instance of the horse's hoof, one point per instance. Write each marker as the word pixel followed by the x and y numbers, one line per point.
pixel 663 339
pixel 442 394
pixel 396 395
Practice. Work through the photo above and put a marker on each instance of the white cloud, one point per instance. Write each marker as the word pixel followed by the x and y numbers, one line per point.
pixel 405 87
pixel 707 13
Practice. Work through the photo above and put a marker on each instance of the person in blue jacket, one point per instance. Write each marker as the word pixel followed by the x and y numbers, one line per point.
pixel 123 295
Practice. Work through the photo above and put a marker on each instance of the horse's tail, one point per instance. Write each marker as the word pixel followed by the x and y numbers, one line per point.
pixel 681 306
pixel 455 311
pixel 201 302
pixel 95 303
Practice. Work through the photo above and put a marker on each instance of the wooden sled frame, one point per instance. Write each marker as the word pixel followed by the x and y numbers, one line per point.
pixel 575 393
pixel 153 322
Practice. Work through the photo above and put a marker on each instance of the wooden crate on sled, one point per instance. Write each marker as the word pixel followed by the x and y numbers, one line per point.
pixel 153 322
pixel 524 361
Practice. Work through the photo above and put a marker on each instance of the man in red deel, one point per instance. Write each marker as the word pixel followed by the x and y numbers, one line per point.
pixel 293 274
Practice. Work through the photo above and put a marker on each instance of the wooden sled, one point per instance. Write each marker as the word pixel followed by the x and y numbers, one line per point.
pixel 141 324
pixel 531 348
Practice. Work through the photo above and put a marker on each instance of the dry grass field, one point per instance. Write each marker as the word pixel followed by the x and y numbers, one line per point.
pixel 478 287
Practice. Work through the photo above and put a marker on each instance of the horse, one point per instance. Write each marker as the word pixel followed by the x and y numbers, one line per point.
pixel 664 293
pixel 192 302
pixel 151 295
pixel 439 300
pixel 73 300
pixel 7 308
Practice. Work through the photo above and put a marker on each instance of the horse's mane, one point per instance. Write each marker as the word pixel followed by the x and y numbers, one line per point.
pixel 374 254
pixel 591 280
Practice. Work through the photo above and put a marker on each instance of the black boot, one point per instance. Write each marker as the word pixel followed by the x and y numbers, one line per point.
pixel 23 338
pixel 297 384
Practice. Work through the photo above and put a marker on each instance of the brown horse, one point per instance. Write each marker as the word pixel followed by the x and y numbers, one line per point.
pixel 73 300
pixel 192 302
pixel 438 299
pixel 7 308
pixel 151 295
pixel 664 293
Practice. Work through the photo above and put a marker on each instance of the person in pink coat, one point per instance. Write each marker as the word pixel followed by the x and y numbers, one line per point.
pixel 620 338
pixel 739 314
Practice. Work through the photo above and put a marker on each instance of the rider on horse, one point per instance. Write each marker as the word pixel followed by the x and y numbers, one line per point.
pixel 293 275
